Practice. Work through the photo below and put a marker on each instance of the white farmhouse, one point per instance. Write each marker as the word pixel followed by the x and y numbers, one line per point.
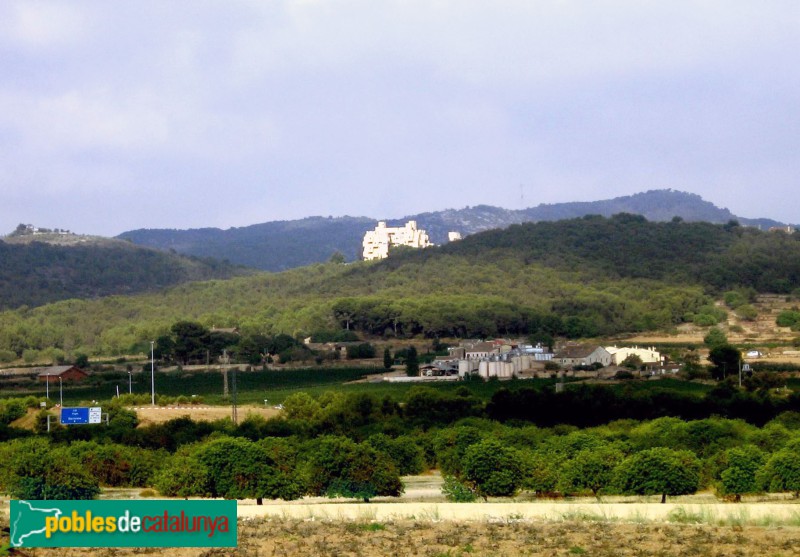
pixel 377 242
pixel 647 355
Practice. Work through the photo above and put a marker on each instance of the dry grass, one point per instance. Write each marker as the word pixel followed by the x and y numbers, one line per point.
pixel 437 529
pixel 431 538
pixel 158 414
pixel 28 420
pixel 760 333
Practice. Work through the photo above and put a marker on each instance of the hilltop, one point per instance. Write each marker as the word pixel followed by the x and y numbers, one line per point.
pixel 281 245
pixel 57 265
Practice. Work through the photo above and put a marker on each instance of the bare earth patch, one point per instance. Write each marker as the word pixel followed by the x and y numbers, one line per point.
pixel 158 414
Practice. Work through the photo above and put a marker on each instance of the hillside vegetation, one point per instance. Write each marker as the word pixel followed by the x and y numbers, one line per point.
pixel 271 246
pixel 281 245
pixel 35 273
pixel 578 278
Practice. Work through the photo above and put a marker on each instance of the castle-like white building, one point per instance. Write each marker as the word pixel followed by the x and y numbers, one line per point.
pixel 377 242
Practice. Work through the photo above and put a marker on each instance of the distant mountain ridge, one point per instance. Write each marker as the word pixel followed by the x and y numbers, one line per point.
pixel 281 245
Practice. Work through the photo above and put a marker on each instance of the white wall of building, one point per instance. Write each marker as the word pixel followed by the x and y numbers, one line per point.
pixel 647 355
pixel 377 242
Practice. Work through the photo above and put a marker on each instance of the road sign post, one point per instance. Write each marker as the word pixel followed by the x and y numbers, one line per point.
pixel 81 415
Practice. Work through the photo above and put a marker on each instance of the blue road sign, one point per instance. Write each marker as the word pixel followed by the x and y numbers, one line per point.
pixel 78 416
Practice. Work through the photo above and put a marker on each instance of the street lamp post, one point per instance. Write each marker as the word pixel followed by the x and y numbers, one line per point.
pixel 47 387
pixel 130 382
pixel 60 392
pixel 152 374
pixel 740 372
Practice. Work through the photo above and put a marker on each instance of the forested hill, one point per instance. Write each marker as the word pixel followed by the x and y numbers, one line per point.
pixel 36 273
pixel 579 278
pixel 271 246
pixel 628 246
pixel 276 246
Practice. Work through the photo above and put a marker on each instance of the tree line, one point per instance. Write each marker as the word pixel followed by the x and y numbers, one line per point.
pixel 359 446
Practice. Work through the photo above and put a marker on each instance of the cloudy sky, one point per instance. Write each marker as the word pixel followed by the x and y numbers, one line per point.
pixel 182 114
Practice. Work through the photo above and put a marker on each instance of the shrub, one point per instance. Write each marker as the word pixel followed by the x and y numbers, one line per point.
pixel 708 315
pixel 747 312
pixel 735 299
pixel 30 469
pixel 492 469
pixel 11 409
pixel 360 351
pixel 789 318
pixel 781 472
pixel 633 361
pixel 715 337
pixel 456 491
pixel 183 476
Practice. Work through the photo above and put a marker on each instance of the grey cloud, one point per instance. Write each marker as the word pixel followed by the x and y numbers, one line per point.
pixel 150 114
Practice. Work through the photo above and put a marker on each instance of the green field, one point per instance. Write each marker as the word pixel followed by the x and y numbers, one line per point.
pixel 253 387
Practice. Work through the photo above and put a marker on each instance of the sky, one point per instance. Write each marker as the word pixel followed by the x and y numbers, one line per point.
pixel 122 115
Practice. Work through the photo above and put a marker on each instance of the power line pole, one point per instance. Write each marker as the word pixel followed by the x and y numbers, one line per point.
pixel 235 415
pixel 152 373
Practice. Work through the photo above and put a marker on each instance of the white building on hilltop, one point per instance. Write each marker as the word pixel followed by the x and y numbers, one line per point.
pixel 377 242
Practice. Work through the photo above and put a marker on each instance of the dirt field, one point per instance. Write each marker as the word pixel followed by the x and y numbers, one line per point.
pixel 433 538
pixel 158 414
pixel 421 523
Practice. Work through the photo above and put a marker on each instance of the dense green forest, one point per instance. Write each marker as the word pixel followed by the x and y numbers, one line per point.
pixel 37 273
pixel 577 278
pixel 719 257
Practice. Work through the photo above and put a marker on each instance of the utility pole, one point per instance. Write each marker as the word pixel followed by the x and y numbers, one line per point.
pixel 740 372
pixel 235 415
pixel 152 374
